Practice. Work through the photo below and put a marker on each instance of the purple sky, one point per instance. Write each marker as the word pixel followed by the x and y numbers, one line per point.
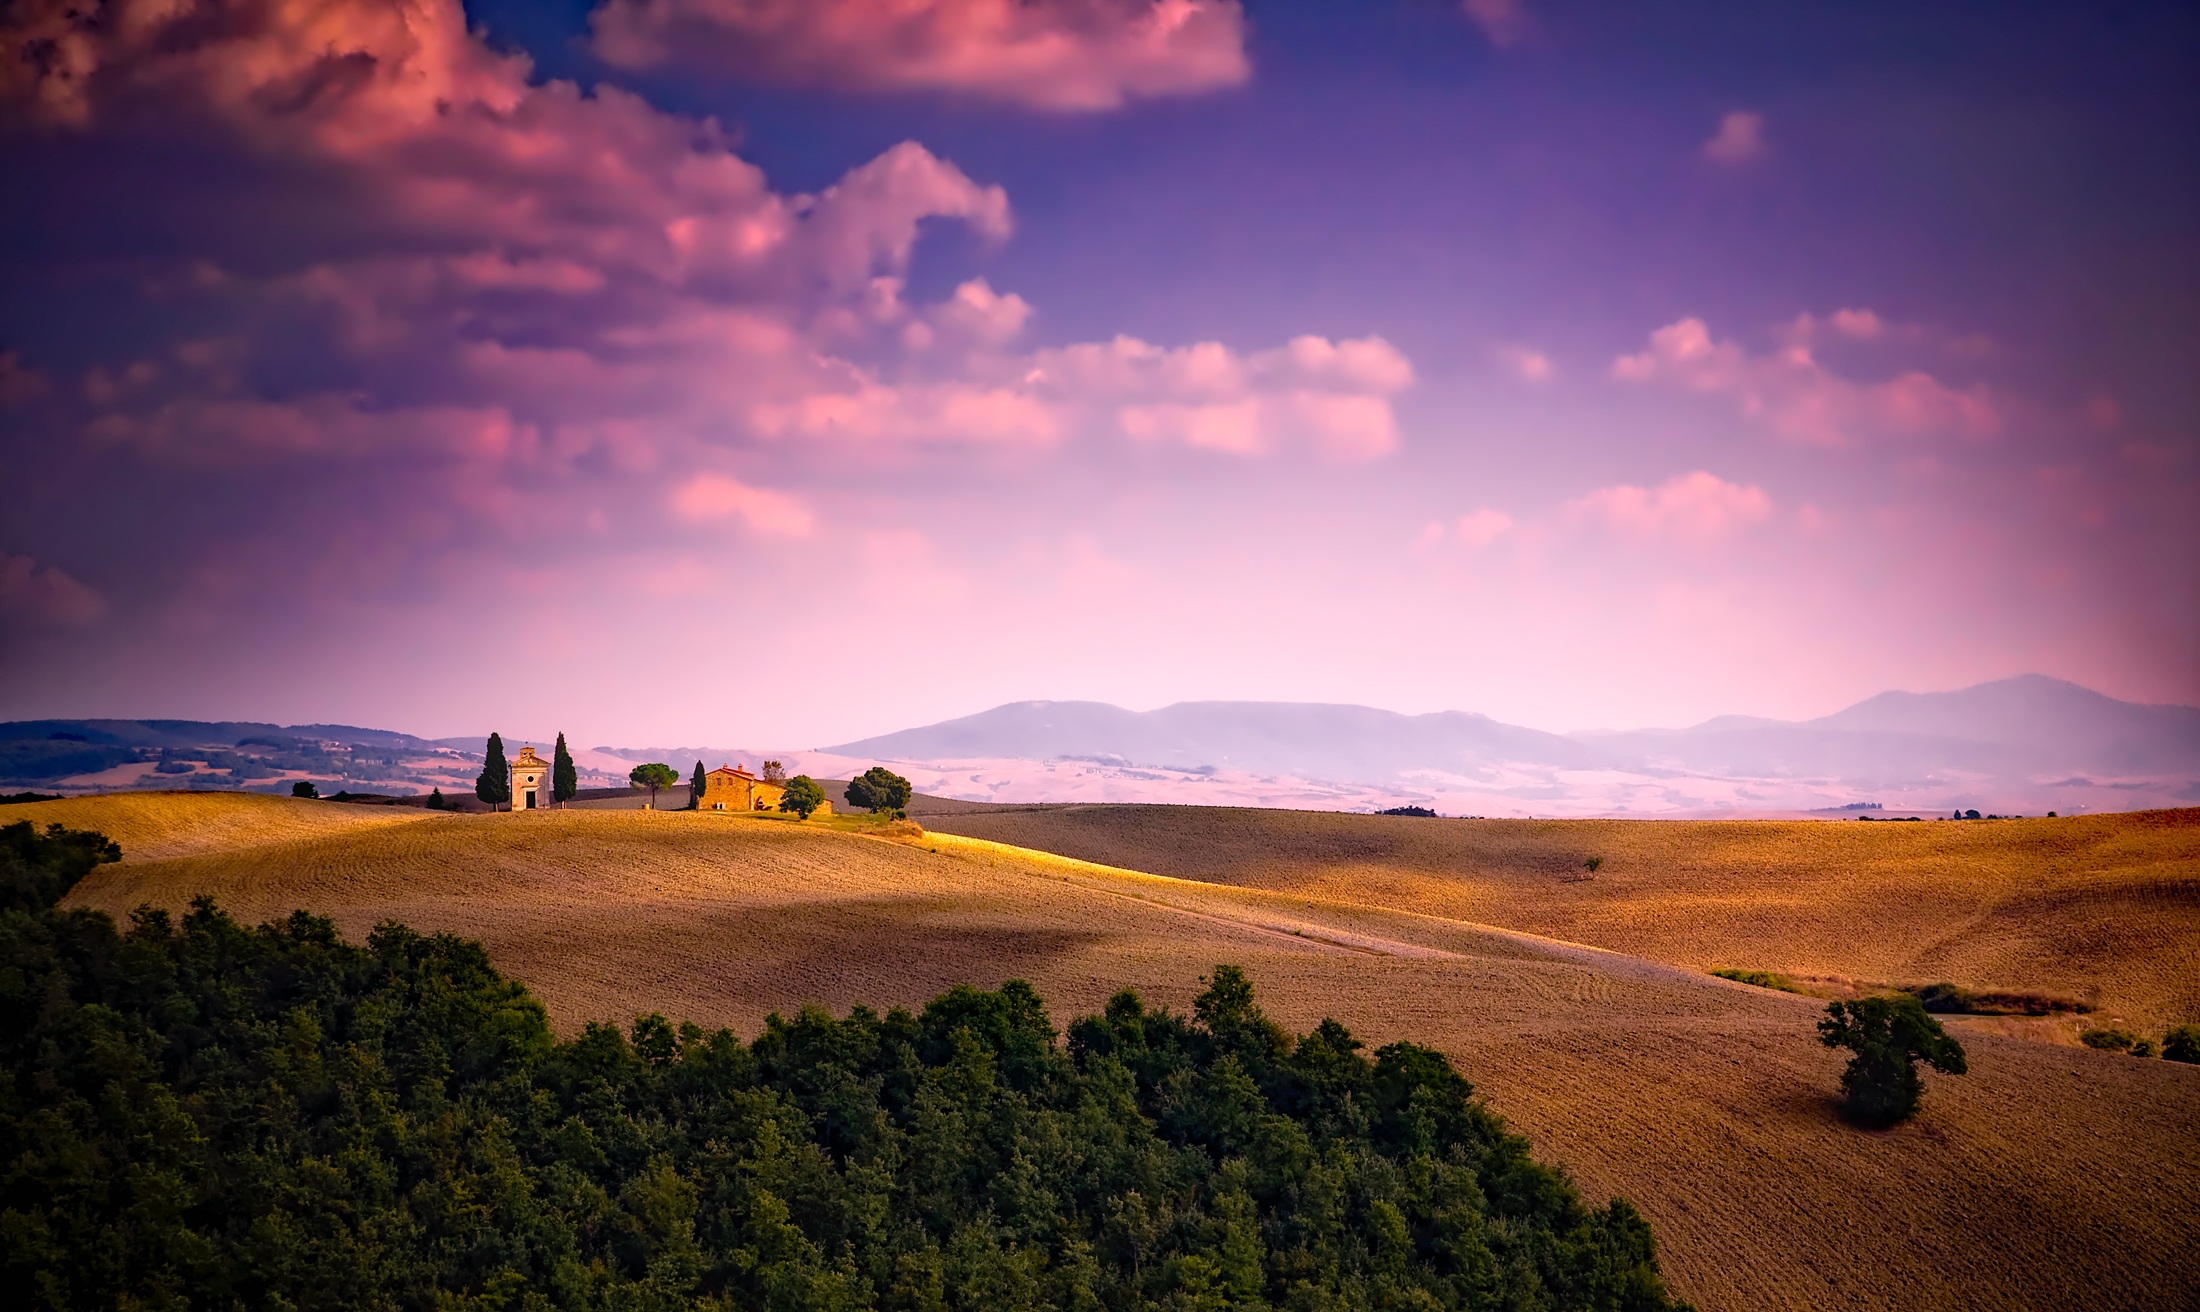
pixel 767 372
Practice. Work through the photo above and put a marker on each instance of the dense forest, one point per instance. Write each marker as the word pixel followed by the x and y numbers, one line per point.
pixel 197 1114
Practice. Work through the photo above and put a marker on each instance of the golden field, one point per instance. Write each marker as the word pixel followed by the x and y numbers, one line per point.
pixel 2047 1178
pixel 2101 909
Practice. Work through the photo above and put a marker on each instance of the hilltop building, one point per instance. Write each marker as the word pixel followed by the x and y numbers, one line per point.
pixel 527 772
pixel 731 788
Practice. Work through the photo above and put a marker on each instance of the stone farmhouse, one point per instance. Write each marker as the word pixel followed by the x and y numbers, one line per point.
pixel 731 788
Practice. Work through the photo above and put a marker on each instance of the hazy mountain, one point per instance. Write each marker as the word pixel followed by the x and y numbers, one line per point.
pixel 2027 732
pixel 1297 738
pixel 2028 725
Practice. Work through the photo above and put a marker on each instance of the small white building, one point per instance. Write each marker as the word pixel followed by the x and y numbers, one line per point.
pixel 528 792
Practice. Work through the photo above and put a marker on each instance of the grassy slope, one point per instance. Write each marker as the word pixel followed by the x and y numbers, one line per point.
pixel 2103 908
pixel 2046 1178
pixel 161 826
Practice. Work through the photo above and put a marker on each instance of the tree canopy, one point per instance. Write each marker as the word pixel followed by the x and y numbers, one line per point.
pixel 201 1115
pixel 1889 1034
pixel 652 776
pixel 697 782
pixel 802 796
pixel 494 785
pixel 565 780
pixel 878 789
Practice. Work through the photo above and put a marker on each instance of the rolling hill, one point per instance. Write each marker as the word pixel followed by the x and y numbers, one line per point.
pixel 2048 1177
pixel 2101 909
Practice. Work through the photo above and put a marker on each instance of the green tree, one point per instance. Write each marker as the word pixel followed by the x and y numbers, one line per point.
pixel 2182 1043
pixel 494 786
pixel 878 789
pixel 802 796
pixel 1889 1034
pixel 695 788
pixel 564 779
pixel 774 773
pixel 652 776
pixel 304 788
pixel 436 802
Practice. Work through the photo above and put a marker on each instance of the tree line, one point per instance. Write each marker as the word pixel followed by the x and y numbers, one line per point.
pixel 196 1114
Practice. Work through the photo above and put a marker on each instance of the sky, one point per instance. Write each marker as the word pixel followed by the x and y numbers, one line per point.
pixel 780 372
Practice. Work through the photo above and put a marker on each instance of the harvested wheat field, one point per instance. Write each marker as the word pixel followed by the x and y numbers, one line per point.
pixel 2099 909
pixel 161 826
pixel 2046 1178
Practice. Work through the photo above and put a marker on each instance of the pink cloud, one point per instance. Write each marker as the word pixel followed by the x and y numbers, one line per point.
pixel 707 498
pixel 1483 527
pixel 1696 508
pixel 1331 397
pixel 1526 364
pixel 1504 22
pixel 945 412
pixel 1066 55
pixel 1739 140
pixel 1790 391
pixel 45 595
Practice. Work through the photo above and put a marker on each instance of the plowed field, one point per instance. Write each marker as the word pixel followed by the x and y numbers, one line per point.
pixel 2047 1178
pixel 2101 909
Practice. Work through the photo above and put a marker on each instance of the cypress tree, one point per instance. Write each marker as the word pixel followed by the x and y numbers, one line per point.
pixel 495 784
pixel 695 789
pixel 564 779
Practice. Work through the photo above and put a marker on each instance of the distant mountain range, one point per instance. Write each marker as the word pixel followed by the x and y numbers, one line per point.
pixel 2030 743
pixel 2023 741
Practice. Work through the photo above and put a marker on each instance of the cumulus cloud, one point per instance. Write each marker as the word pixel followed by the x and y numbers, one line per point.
pixel 1799 398
pixel 1332 397
pixel 44 596
pixel 1694 508
pixel 1045 54
pixel 707 498
pixel 534 303
pixel 1504 22
pixel 1739 140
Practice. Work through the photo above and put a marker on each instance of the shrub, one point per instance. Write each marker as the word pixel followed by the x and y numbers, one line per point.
pixel 2109 1039
pixel 1889 1034
pixel 1763 979
pixel 1408 810
pixel 1953 999
pixel 2182 1043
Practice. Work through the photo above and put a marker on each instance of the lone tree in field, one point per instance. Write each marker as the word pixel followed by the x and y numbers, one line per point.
pixel 802 796
pixel 696 785
pixel 495 784
pixel 878 789
pixel 304 788
pixel 564 779
pixel 653 776
pixel 1889 1034
pixel 774 773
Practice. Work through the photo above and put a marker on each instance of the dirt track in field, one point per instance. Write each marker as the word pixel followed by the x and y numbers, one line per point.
pixel 2047 1178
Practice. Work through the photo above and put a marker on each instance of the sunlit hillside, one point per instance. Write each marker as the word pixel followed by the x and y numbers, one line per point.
pixel 2102 909
pixel 2047 1177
